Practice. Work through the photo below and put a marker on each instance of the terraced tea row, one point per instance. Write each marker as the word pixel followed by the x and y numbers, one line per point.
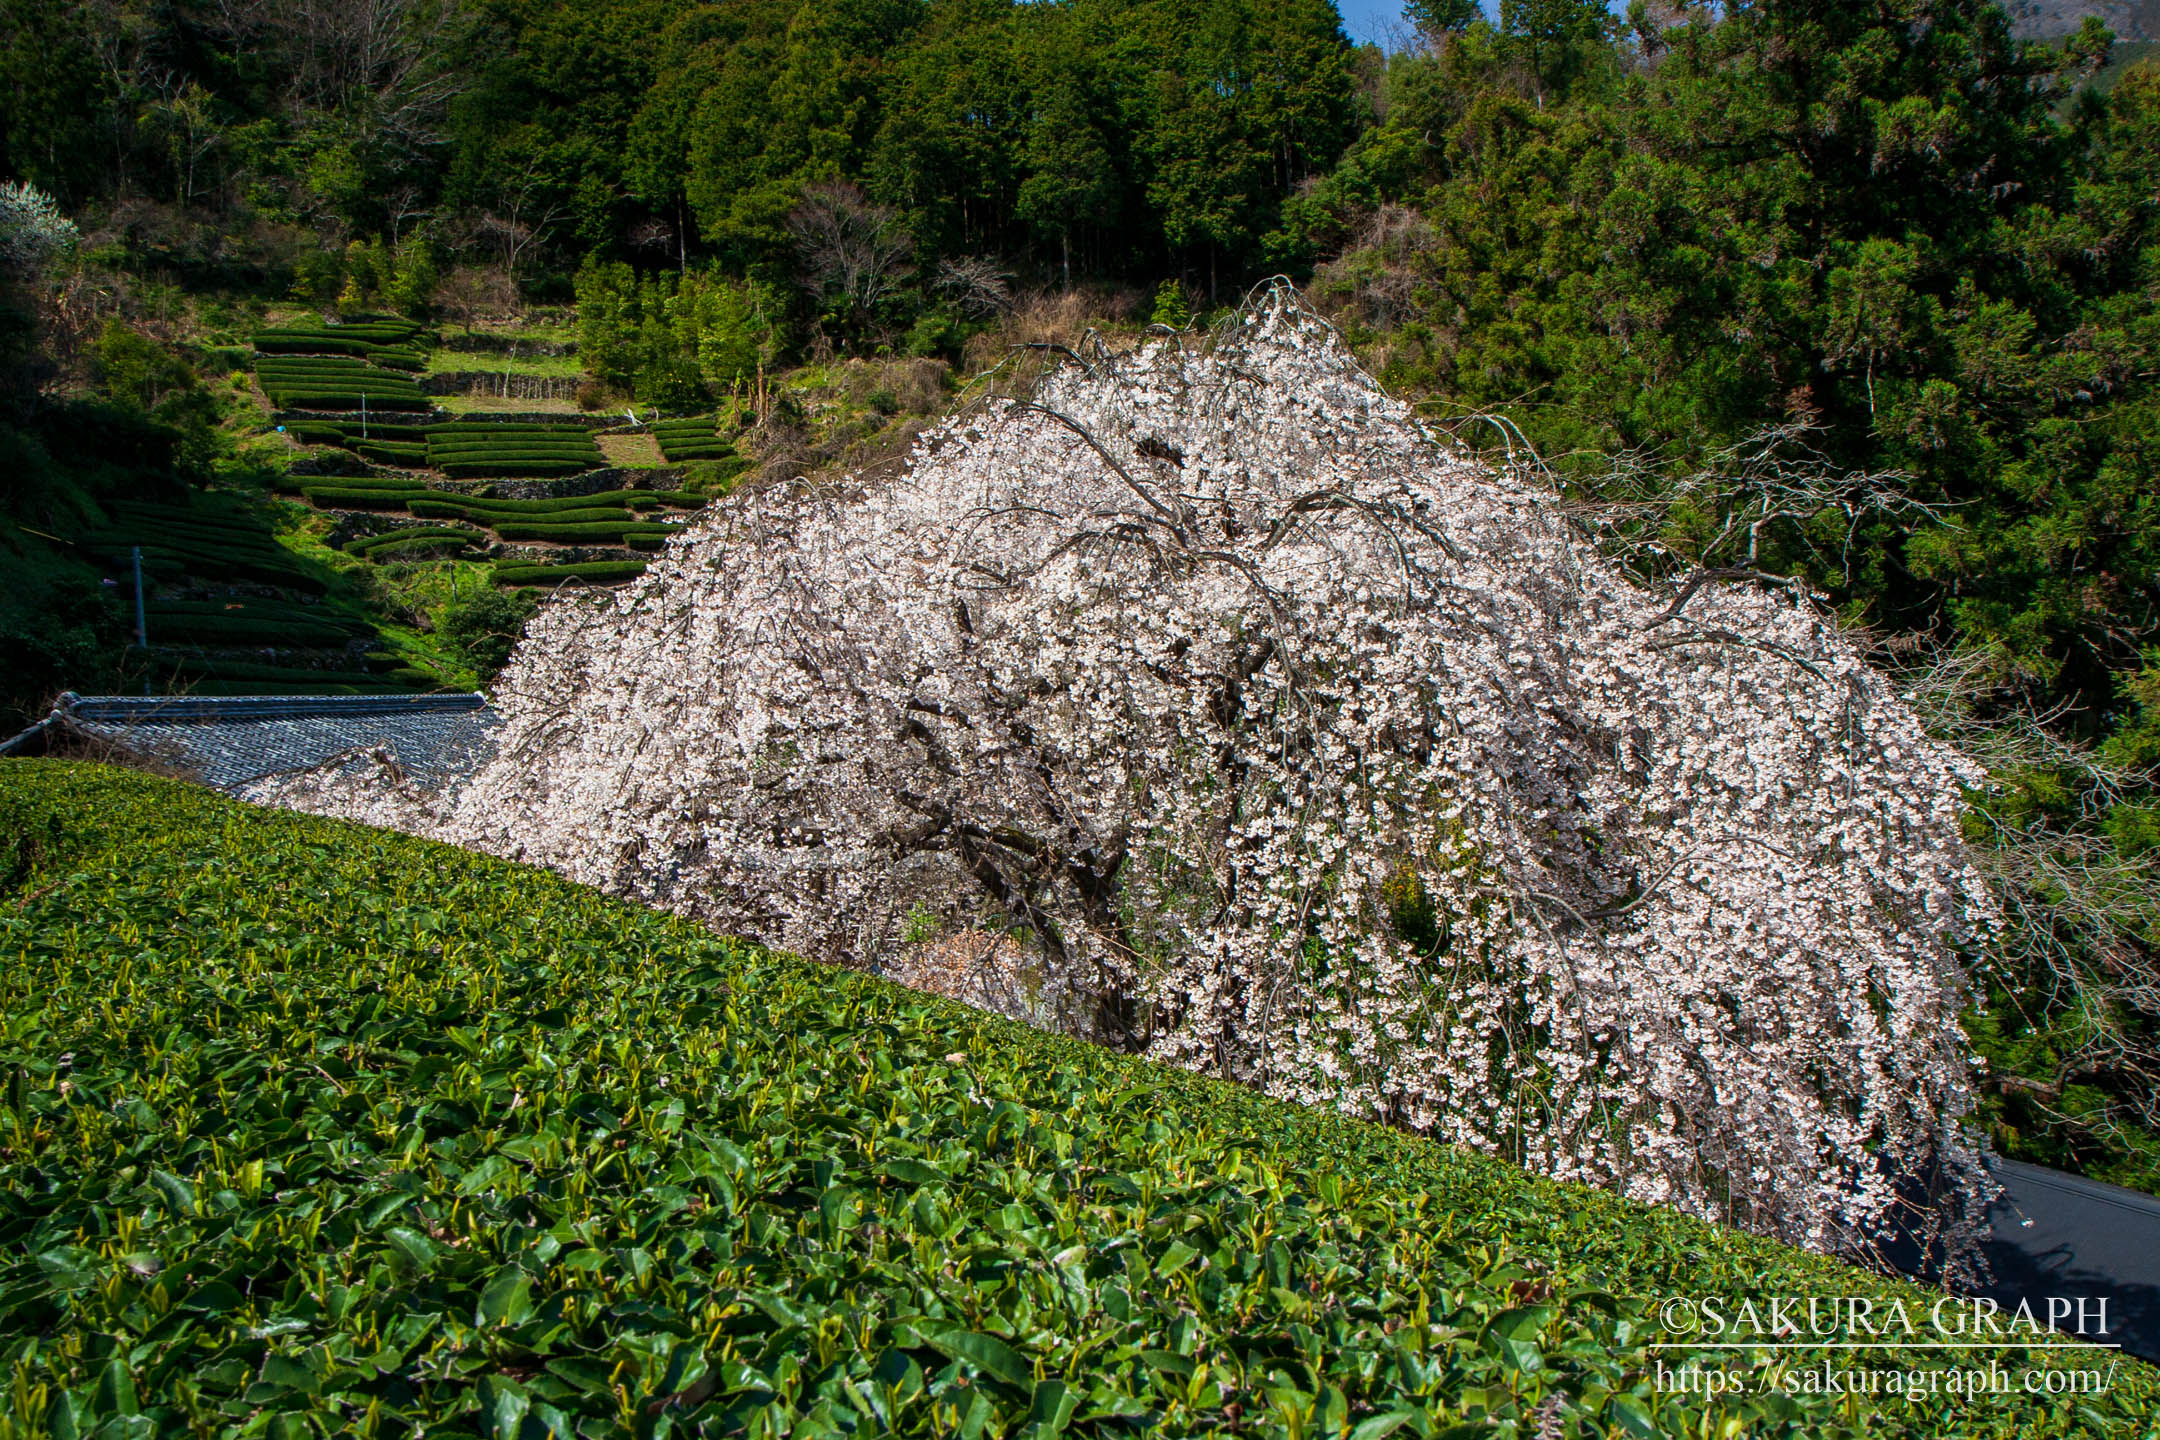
pixel 199 542
pixel 693 439
pixel 209 626
pixel 387 342
pixel 328 382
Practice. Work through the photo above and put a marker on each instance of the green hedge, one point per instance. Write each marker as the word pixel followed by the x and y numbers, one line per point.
pixel 413 549
pixel 381 382
pixel 318 1129
pixel 223 630
pixel 619 499
pixel 691 440
pixel 370 380
pixel 219 686
pixel 254 526
pixel 346 400
pixel 440 534
pixel 391 452
pixel 608 499
pixel 531 423
pixel 575 534
pixel 355 498
pixel 403 484
pixel 255 550
pixel 520 444
pixel 311 364
pixel 512 469
pixel 300 678
pixel 440 457
pixel 460 428
pixel 268 344
pixel 513 442
pixel 598 571
pixel 173 534
pixel 171 563
pixel 255 609
pixel 592 515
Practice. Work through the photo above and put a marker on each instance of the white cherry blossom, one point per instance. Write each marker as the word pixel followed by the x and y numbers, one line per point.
pixel 1281 739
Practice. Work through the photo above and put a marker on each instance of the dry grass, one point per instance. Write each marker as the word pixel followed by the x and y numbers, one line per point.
pixel 638 451
pixel 497 405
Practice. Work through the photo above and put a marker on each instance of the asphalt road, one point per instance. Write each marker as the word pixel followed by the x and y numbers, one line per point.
pixel 2062 1235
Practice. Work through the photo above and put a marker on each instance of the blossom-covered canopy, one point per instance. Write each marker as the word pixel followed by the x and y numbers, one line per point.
pixel 1250 723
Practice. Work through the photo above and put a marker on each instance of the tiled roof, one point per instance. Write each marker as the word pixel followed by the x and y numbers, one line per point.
pixel 229 742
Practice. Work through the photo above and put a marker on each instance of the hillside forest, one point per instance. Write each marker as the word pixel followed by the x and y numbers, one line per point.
pixel 1859 293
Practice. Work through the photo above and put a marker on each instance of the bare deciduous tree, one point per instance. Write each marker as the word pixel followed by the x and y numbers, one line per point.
pixel 850 249
pixel 975 284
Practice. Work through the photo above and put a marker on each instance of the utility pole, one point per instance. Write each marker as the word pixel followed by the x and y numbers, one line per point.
pixel 142 624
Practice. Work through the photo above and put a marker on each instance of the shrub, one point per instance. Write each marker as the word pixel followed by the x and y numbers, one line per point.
pixel 463 455
pixel 673 1164
pixel 485 629
pixel 567 424
pixel 346 400
pixel 483 515
pixel 273 610
pixel 402 484
pixel 236 630
pixel 423 547
pixel 511 469
pixel 571 534
pixel 607 500
pixel 602 572
pixel 292 344
pixel 356 498
pixel 391 453
pixel 299 678
pixel 412 535
pixel 715 474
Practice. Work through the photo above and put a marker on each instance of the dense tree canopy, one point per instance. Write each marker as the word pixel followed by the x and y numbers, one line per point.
pixel 1108 136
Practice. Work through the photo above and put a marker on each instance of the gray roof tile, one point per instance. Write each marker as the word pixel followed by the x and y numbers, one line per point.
pixel 230 742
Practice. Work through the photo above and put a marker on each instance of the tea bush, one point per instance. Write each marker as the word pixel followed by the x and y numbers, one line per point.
pixel 312 1128
pixel 443 534
pixel 357 497
pixel 595 533
pixel 511 469
pixel 696 439
pixel 599 572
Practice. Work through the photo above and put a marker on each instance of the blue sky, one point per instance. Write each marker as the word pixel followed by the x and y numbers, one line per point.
pixel 1371 19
